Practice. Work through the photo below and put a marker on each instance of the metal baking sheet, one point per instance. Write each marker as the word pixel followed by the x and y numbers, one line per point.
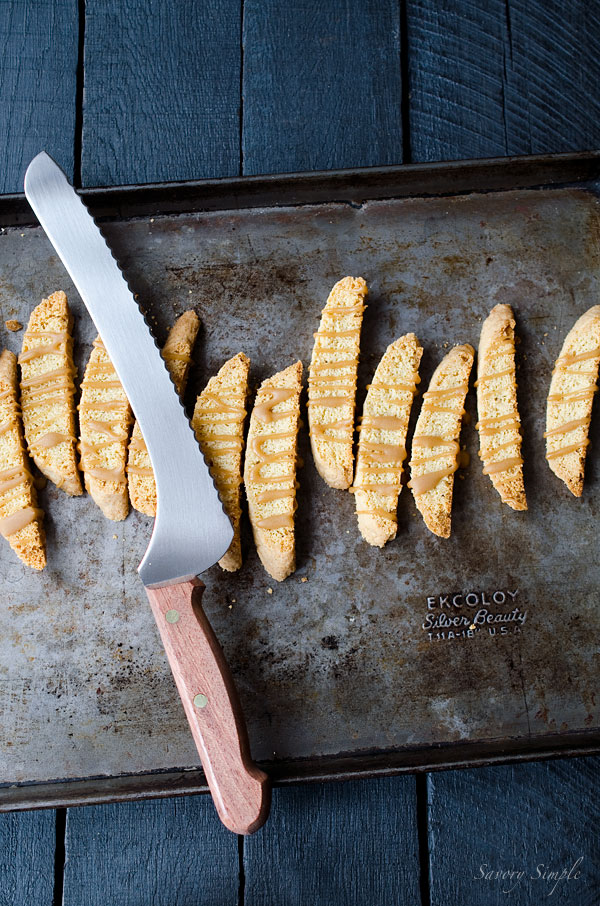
pixel 363 660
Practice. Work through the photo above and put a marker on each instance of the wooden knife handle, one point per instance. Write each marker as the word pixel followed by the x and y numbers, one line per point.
pixel 241 792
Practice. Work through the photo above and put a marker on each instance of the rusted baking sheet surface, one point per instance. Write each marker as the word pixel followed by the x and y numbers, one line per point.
pixel 354 653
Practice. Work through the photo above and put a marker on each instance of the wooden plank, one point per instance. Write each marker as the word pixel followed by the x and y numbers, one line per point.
pixel 27 842
pixel 162 91
pixel 353 843
pixel 553 66
pixel 321 85
pixel 534 818
pixel 502 77
pixel 38 54
pixel 455 79
pixel 168 853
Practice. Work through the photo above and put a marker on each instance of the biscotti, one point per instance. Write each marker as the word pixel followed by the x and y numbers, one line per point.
pixel 270 470
pixel 21 520
pixel 48 391
pixel 105 419
pixel 177 353
pixel 570 399
pixel 218 423
pixel 499 422
pixel 381 448
pixel 435 447
pixel 332 382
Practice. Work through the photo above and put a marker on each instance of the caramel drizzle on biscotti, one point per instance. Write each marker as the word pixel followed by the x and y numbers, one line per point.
pixel 377 511
pixel 51 439
pixel 345 383
pixel 319 430
pixel 138 444
pixel 321 380
pixel 496 424
pixel 14 479
pixel 564 361
pixel 57 346
pixel 404 388
pixel 7 426
pixel 49 387
pixel 498 447
pixel 573 396
pixel 89 450
pixel 432 397
pixel 264 413
pixel 378 458
pixel 509 422
pixel 569 426
pixel 230 407
pixel 431 442
pixel 502 465
pixel 580 394
pixel 420 484
pixel 384 422
pixel 330 334
pixel 570 448
pixel 98 370
pixel 10 525
pixel 494 374
pixel 177 357
pixel 500 347
pixel 107 405
pixel 139 470
pixel 344 310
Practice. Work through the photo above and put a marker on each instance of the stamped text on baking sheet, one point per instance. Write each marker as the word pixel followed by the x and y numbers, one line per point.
pixel 467 615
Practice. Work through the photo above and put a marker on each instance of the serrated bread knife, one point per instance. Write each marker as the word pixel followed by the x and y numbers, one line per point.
pixel 191 530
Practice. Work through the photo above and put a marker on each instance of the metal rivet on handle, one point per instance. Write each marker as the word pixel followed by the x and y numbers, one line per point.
pixel 200 700
pixel 172 616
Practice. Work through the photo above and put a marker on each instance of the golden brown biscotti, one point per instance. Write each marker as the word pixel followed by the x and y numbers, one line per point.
pixel 499 422
pixel 332 382
pixel 270 470
pixel 218 422
pixel 570 399
pixel 177 353
pixel 21 520
pixel 48 391
pixel 381 447
pixel 435 447
pixel 105 419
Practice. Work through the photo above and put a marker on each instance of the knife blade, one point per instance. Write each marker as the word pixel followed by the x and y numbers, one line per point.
pixel 191 530
pixel 182 544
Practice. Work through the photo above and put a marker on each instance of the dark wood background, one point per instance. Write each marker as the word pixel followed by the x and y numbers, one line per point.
pixel 149 91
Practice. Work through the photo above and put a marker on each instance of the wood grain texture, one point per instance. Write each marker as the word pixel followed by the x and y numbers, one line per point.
pixel 353 843
pixel 162 91
pixel 38 67
pixel 502 77
pixel 241 792
pixel 27 858
pixel 515 817
pixel 321 85
pixel 172 852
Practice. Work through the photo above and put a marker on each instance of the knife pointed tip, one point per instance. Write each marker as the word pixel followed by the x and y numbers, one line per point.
pixel 39 166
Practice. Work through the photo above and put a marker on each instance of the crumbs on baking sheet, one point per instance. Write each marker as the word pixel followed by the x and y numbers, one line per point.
pixel 13 325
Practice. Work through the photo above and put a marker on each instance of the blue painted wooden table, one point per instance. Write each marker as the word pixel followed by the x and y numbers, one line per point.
pixel 147 91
